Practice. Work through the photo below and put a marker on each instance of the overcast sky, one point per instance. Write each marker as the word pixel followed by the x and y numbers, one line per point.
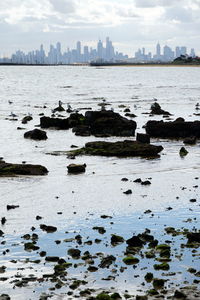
pixel 25 24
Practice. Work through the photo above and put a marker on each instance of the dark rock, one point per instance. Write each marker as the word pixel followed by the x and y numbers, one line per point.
pixel 26 119
pixel 74 253
pixel 120 149
pixel 116 239
pixel 124 179
pixel 3 220
pixel 101 230
pixel 35 134
pixel 30 247
pixel 52 258
pixel 135 241
pixel 75 169
pixel 176 129
pixel 107 261
pixel 143 138
pixel 146 182
pixel 138 180
pixel 183 152
pixel 128 192
pixel 1 232
pixel 130 260
pixel 106 122
pixel 158 283
pixel 190 141
pixel 130 115
pixel 156 110
pixel 48 229
pixel 12 207
pixel 47 122
pixel 59 108
pixel 193 237
pixel 5 297
pixel 82 130
pixel 8 169
pixel 179 295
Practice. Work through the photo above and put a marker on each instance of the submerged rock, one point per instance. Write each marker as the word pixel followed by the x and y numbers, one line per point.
pixel 75 169
pixel 176 129
pixel 143 138
pixel 35 134
pixel 120 149
pixel 9 169
pixel 74 120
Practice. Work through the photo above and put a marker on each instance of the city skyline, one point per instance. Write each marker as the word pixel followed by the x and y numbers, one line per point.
pixel 131 23
pixel 104 51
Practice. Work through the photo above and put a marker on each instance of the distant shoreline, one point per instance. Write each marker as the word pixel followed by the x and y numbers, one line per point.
pixel 107 65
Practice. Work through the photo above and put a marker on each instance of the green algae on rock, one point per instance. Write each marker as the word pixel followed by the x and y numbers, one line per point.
pixel 9 169
pixel 120 149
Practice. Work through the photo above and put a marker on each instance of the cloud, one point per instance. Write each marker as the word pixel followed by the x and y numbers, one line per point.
pixel 64 6
pixel 154 3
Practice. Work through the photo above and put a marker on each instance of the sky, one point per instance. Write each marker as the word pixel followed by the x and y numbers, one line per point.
pixel 130 24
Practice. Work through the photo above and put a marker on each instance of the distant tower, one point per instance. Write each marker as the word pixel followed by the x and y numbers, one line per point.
pixel 158 52
pixel 78 49
pixel 192 53
pixel 100 49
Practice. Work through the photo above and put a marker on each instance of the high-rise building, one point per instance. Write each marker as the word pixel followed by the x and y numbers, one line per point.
pixel 100 49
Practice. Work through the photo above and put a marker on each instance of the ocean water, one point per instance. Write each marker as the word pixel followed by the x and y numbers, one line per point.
pixel 82 199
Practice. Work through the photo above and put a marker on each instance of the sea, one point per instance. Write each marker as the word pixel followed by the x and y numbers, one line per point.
pixel 76 203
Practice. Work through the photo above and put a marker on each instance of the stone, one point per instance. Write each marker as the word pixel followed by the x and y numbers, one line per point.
pixel 26 119
pixel 75 168
pixel 48 229
pixel 9 169
pixel 74 253
pixel 35 134
pixel 143 138
pixel 190 141
pixel 183 152
pixel 176 129
pixel 125 148
pixel 156 110
pixel 135 241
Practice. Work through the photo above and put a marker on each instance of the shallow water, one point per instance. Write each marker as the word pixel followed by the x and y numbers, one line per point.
pixel 82 199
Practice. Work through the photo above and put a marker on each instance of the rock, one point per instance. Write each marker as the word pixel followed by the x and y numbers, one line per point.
pixel 190 141
pixel 135 241
pixel 116 239
pixel 158 283
pixel 146 182
pixel 130 115
pixel 48 229
pixel 47 122
pixel 128 192
pixel 121 149
pixel 176 129
pixel 183 152
pixel 8 169
pixel 74 253
pixel 193 237
pixel 30 247
pixel 107 261
pixel 5 297
pixel 107 123
pixel 9 207
pixel 156 110
pixel 138 180
pixel 143 138
pixel 59 108
pixel 179 295
pixel 75 169
pixel 26 119
pixel 35 134
pixel 130 260
pixel 74 120
pixel 3 220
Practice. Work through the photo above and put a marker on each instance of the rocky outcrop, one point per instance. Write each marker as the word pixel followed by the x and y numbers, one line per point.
pixel 157 110
pixel 98 123
pixel 8 169
pixel 120 149
pixel 177 129
pixel 75 169
pixel 35 134
pixel 75 119
pixel 107 122
pixel 47 122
